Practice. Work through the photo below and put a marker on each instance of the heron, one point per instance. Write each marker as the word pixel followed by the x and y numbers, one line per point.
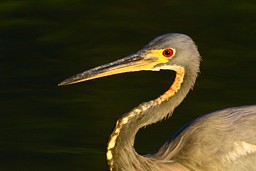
pixel 223 140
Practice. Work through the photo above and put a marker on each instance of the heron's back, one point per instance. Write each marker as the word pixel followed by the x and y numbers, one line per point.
pixel 224 140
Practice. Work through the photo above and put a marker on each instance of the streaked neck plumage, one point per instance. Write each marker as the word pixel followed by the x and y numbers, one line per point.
pixel 121 154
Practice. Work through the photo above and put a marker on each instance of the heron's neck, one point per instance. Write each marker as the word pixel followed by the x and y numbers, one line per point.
pixel 120 151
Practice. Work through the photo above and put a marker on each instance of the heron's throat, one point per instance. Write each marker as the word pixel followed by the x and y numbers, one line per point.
pixel 175 87
pixel 123 135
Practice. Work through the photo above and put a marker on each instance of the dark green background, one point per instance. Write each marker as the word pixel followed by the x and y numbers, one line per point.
pixel 45 127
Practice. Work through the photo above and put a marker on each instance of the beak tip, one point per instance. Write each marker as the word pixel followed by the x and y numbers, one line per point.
pixel 63 83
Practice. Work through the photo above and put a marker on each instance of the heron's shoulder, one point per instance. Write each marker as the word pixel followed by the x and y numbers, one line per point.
pixel 230 114
pixel 236 123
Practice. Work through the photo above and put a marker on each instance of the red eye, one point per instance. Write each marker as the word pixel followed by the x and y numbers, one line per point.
pixel 168 52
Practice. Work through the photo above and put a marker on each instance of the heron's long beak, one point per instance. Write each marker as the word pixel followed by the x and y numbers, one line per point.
pixel 129 64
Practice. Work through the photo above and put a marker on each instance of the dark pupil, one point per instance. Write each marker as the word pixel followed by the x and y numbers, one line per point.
pixel 167 52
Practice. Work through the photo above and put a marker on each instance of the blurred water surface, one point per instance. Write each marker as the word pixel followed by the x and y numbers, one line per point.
pixel 45 127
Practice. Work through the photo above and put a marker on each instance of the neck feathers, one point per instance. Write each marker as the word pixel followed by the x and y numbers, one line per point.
pixel 120 152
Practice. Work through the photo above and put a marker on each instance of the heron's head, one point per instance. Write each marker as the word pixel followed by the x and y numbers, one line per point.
pixel 165 52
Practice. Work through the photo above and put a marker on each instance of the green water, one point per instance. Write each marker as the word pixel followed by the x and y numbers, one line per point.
pixel 45 127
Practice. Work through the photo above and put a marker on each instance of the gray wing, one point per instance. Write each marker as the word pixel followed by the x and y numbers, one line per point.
pixel 224 140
